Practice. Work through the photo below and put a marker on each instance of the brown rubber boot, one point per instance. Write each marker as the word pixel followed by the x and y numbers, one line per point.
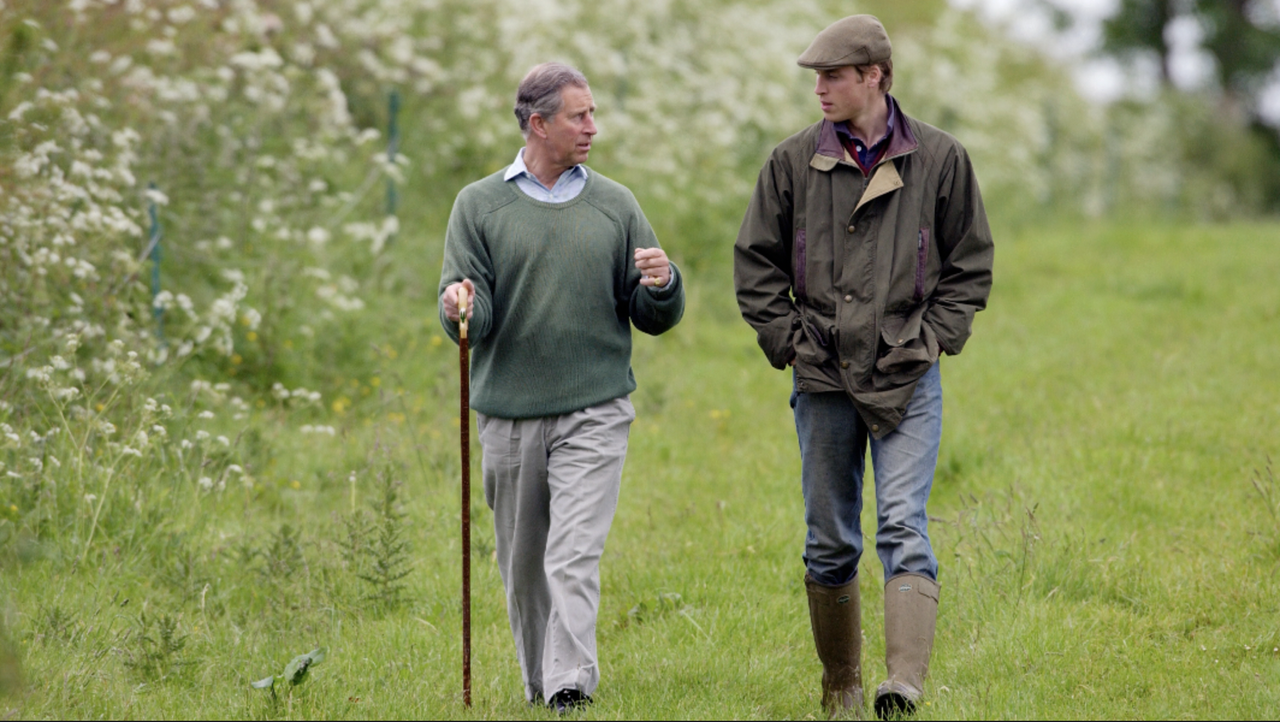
pixel 835 613
pixel 910 616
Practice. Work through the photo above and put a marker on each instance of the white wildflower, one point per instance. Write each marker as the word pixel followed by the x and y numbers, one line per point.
pixel 161 47
pixel 20 110
pixel 156 196
pixel 202 435
pixel 205 483
pixel 224 441
pixel 65 394
pixel 184 302
pixel 182 14
pixel 318 236
pixel 130 451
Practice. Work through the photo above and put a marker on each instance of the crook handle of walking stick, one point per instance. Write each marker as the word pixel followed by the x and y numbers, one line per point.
pixel 462 310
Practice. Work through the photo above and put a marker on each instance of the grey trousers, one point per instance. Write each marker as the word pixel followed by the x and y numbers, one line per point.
pixel 553 483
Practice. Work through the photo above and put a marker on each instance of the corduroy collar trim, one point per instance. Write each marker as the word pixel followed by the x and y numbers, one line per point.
pixel 901 141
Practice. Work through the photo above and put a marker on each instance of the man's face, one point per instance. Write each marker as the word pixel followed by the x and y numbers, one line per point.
pixel 570 131
pixel 844 94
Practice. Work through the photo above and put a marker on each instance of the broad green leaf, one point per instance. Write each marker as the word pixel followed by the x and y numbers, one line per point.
pixel 297 668
pixel 264 683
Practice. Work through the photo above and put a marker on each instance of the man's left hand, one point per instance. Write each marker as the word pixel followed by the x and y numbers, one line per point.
pixel 654 267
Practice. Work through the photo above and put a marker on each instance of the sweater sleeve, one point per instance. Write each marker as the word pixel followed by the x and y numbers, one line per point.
pixel 653 311
pixel 466 256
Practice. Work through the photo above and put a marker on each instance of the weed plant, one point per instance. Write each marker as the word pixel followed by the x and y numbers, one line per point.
pixel 155 647
pixel 375 545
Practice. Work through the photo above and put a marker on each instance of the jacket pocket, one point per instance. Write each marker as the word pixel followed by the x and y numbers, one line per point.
pixel 922 261
pixel 907 344
pixel 800 263
pixel 813 341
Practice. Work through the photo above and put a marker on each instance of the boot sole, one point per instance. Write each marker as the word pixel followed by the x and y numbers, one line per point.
pixel 892 705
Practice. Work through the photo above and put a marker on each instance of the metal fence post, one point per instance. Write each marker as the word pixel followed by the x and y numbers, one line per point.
pixel 393 149
pixel 154 243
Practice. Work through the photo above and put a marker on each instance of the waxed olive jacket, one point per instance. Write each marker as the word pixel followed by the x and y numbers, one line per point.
pixel 861 280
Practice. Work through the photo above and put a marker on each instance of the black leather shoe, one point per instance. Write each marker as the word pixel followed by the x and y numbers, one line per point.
pixel 568 700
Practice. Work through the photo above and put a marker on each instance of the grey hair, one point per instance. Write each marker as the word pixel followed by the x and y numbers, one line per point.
pixel 539 92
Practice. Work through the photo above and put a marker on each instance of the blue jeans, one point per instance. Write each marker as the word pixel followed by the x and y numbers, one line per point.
pixel 833 443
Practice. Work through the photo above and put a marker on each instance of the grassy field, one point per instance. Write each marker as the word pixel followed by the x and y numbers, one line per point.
pixel 1105 515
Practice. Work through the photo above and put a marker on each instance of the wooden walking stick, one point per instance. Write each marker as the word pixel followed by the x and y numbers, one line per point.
pixel 464 364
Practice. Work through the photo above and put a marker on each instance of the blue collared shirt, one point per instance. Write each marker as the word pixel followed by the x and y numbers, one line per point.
pixel 867 155
pixel 567 187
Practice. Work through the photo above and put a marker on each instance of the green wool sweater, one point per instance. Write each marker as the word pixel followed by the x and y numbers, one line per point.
pixel 556 293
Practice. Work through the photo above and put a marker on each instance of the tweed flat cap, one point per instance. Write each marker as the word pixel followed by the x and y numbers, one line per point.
pixel 855 40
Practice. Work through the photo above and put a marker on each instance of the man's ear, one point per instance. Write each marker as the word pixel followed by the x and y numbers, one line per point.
pixel 874 76
pixel 538 125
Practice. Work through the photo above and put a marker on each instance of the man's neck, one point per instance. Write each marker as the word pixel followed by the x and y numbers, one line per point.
pixel 872 123
pixel 543 168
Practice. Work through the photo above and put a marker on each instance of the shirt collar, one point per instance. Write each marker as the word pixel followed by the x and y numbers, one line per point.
pixel 843 128
pixel 518 167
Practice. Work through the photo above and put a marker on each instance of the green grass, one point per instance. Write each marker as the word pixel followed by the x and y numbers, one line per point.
pixel 1104 550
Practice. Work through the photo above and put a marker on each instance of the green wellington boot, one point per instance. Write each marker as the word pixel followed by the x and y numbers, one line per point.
pixel 835 613
pixel 910 617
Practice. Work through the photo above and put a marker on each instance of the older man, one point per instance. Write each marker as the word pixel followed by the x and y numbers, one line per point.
pixel 863 256
pixel 561 262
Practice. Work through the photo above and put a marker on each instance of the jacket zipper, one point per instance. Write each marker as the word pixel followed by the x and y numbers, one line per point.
pixel 922 258
pixel 802 258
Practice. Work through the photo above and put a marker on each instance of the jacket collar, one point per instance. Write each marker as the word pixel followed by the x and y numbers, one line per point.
pixel 830 152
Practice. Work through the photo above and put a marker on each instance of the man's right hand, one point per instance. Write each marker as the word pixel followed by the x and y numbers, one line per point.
pixel 450 299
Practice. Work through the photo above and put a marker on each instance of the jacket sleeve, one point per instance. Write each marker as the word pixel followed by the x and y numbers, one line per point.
pixel 466 255
pixel 653 311
pixel 967 251
pixel 762 262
